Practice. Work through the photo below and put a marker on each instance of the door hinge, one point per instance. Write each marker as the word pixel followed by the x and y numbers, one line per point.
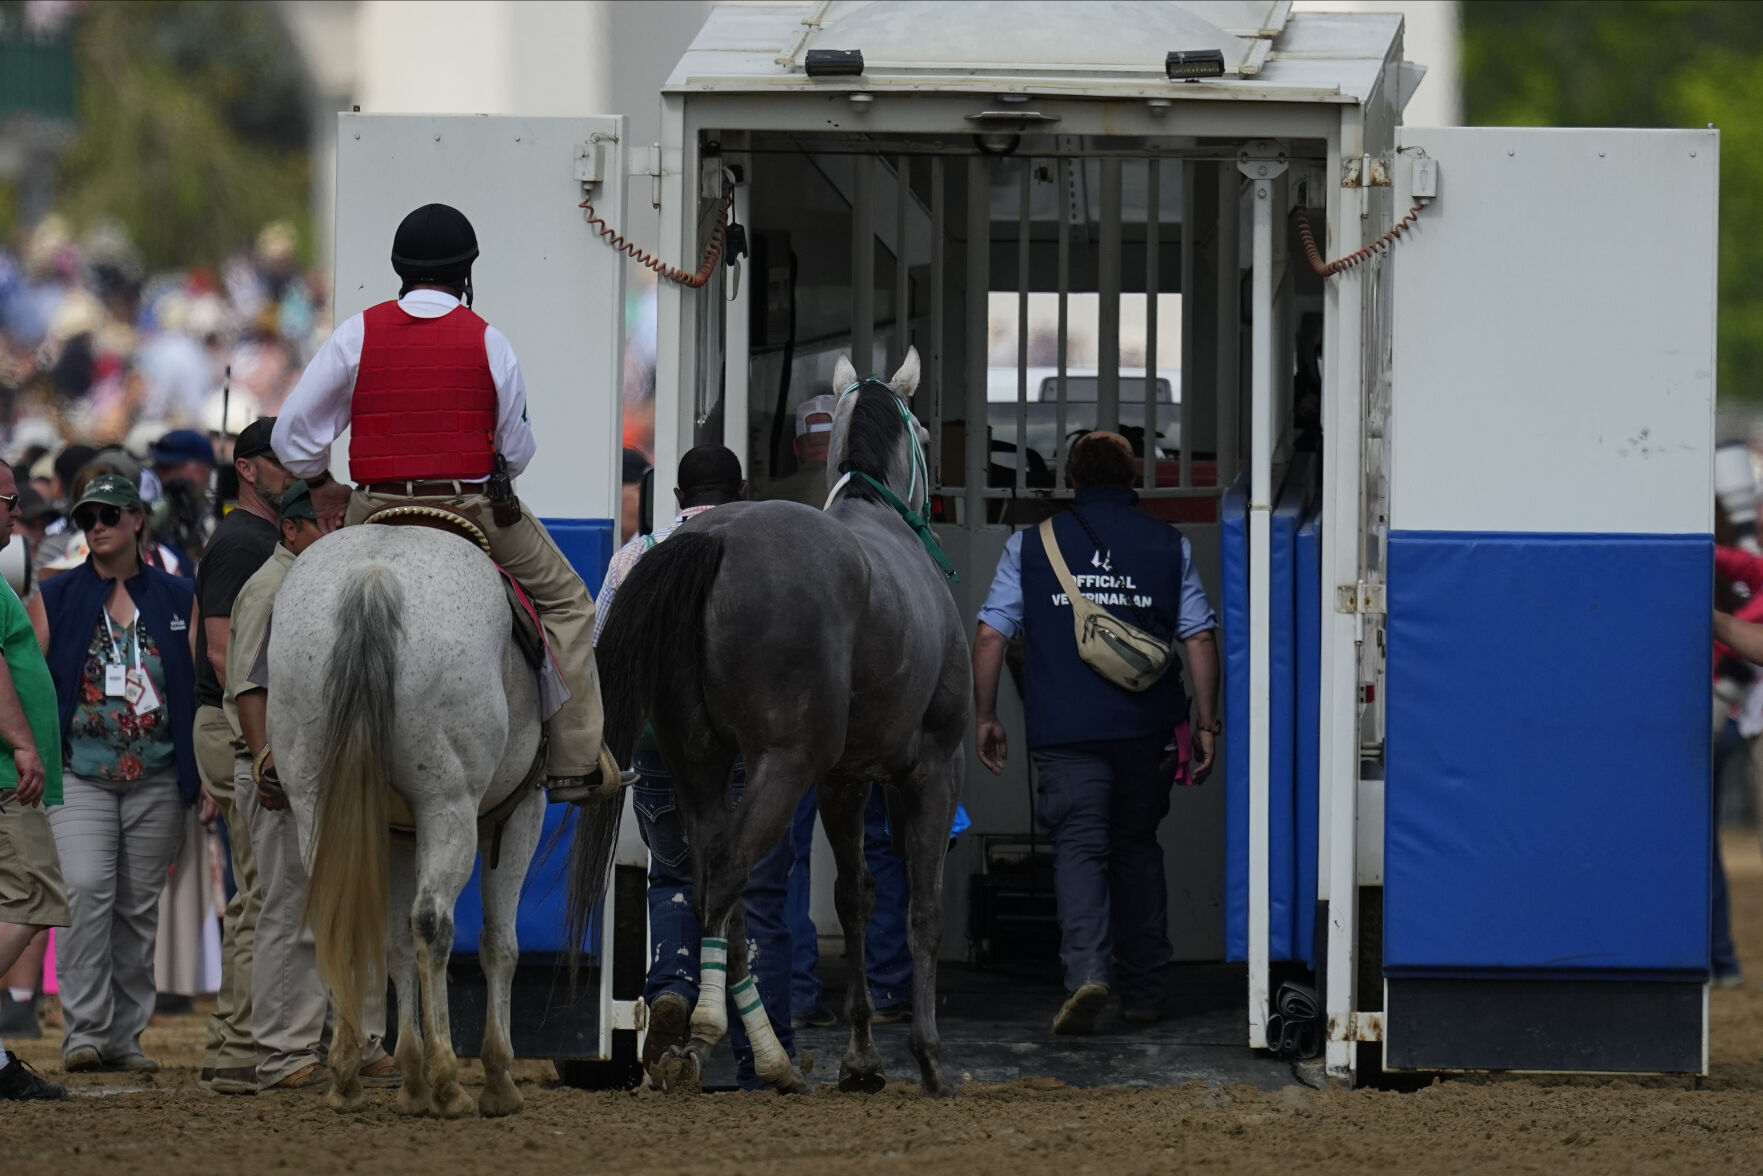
pixel 1360 598
pixel 648 163
pixel 1368 171
pixel 1262 159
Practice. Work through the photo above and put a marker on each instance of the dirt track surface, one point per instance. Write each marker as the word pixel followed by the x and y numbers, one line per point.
pixel 123 1125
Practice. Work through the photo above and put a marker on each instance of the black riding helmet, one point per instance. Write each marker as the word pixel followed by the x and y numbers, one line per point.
pixel 435 245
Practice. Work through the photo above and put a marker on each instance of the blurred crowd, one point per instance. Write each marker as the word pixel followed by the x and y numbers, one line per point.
pixel 95 350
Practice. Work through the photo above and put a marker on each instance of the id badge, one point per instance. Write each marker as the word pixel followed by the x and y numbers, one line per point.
pixel 116 681
pixel 141 695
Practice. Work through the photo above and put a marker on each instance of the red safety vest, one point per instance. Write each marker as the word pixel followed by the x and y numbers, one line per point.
pixel 425 400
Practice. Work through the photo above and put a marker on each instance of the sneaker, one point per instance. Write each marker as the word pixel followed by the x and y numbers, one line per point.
pixel 310 1077
pixel 670 1023
pixel 890 1014
pixel 234 1080
pixel 818 1017
pixel 133 1063
pixel 82 1059
pixel 19 1082
pixel 18 1019
pixel 205 1080
pixel 384 1072
pixel 1079 1012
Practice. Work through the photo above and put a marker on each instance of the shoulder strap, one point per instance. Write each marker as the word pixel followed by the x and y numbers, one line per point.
pixel 1050 542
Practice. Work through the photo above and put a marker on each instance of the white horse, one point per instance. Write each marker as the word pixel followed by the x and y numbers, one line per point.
pixel 395 682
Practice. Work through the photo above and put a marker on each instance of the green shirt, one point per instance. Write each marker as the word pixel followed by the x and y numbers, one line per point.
pixel 36 693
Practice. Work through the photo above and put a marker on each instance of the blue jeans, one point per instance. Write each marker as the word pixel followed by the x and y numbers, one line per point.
pixel 887 953
pixel 673 922
pixel 1101 804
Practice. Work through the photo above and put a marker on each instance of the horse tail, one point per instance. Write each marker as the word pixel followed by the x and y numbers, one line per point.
pixel 347 893
pixel 653 638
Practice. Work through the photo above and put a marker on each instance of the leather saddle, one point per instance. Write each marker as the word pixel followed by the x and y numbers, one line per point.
pixel 524 615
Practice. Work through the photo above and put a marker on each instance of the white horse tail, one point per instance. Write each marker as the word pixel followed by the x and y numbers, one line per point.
pixel 347 896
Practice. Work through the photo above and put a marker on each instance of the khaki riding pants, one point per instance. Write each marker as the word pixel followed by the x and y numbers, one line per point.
pixel 230 1045
pixel 530 555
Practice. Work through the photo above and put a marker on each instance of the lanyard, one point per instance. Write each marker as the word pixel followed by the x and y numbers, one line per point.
pixel 115 649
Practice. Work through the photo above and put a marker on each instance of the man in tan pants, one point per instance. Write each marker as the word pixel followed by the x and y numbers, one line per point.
pixel 436 407
pixel 236 550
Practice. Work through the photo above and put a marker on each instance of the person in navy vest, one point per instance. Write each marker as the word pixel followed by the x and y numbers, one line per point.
pixel 435 404
pixel 1101 751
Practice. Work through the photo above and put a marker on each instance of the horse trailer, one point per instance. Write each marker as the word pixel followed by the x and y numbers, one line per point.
pixel 1433 405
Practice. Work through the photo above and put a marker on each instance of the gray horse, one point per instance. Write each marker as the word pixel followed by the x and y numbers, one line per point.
pixel 825 650
pixel 395 684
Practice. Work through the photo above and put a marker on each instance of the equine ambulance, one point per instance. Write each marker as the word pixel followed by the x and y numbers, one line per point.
pixel 1448 471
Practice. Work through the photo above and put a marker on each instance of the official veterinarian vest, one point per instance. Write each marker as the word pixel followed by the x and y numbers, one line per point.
pixel 425 400
pixel 1141 560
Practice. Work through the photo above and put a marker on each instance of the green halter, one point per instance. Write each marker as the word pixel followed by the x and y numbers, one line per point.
pixel 920 523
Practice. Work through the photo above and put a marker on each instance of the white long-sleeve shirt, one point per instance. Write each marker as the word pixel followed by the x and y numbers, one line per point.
pixel 317 410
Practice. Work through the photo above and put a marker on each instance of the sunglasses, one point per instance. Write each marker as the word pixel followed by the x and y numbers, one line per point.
pixel 87 517
pixel 10 501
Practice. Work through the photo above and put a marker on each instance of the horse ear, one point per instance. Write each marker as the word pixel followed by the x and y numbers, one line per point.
pixel 905 381
pixel 844 375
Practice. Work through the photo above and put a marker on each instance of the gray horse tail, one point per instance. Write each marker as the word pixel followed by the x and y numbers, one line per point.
pixel 346 896
pixel 653 638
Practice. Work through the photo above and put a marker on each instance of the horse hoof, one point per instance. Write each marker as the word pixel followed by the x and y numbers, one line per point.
pixel 457 1105
pixel 493 1104
pixel 411 1102
pixel 677 1071
pixel 788 1082
pixel 938 1090
pixel 865 1082
pixel 344 1103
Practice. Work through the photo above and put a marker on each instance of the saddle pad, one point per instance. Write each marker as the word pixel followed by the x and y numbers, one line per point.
pixel 420 513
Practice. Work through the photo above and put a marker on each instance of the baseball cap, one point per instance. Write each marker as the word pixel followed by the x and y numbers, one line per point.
pixel 181 445
pixel 110 490
pixel 297 502
pixel 821 405
pixel 254 439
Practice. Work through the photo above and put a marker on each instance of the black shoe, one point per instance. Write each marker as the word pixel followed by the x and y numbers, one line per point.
pixel 818 1017
pixel 19 1082
pixel 18 1018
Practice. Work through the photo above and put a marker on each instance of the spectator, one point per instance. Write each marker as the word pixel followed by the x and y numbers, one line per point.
pixel 1098 748
pixel 630 494
pixel 242 544
pixel 183 454
pixel 709 476
pixel 814 431
pixel 119 651
pixel 287 999
pixel 32 896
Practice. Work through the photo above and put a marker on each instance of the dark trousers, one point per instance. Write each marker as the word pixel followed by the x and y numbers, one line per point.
pixel 1101 804
pixel 887 954
pixel 674 932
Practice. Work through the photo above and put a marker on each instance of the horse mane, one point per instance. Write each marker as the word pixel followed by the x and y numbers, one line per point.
pixel 872 438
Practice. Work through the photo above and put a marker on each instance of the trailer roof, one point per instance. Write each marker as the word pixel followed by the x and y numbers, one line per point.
pixel 1106 48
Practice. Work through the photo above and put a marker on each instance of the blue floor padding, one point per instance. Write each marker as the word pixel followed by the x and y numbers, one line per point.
pixel 1309 749
pixel 1547 800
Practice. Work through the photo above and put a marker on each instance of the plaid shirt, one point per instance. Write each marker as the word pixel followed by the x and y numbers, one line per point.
pixel 625 559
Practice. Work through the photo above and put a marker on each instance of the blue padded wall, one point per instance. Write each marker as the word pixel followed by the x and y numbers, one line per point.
pixel 1234 561
pixel 1547 803
pixel 587 543
pixel 1309 744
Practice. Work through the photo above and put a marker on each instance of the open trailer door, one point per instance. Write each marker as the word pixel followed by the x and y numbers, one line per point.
pixel 1547 814
pixel 557 291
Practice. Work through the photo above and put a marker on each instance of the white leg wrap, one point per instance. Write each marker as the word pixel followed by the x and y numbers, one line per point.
pixel 710 1017
pixel 770 1061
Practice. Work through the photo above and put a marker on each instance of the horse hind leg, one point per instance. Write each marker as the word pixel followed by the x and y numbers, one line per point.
pixel 500 952
pixel 929 805
pixel 841 813
pixel 443 866
pixel 414 1095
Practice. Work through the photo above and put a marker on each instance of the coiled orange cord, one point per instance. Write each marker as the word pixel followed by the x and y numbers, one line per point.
pixel 1358 257
pixel 671 273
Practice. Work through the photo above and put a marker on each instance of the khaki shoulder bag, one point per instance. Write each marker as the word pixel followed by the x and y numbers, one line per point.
pixel 1124 654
